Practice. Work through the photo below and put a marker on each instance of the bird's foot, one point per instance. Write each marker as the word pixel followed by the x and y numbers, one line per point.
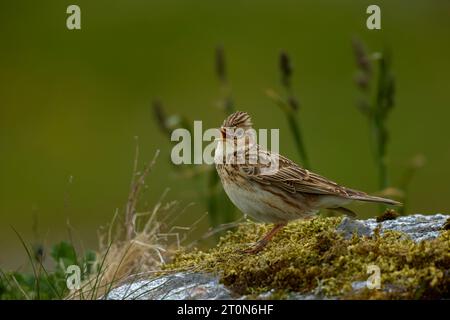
pixel 257 247
pixel 264 241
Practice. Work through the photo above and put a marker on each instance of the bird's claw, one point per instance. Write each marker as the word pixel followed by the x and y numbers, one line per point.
pixel 255 248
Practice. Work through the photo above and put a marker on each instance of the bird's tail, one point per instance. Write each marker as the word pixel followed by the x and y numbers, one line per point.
pixel 368 198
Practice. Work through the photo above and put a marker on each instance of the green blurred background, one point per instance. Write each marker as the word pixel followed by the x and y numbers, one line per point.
pixel 71 102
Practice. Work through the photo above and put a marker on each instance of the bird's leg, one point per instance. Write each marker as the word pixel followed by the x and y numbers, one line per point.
pixel 264 240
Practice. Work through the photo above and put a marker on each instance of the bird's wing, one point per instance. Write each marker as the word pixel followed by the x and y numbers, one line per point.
pixel 293 178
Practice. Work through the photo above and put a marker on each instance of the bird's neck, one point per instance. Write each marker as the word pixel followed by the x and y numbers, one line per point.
pixel 231 153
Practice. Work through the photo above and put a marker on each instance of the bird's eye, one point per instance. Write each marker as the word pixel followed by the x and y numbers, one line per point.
pixel 239 133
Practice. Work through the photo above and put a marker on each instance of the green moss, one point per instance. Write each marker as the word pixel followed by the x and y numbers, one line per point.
pixel 310 255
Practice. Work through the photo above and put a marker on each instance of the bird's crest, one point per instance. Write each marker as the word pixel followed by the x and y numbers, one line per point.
pixel 238 119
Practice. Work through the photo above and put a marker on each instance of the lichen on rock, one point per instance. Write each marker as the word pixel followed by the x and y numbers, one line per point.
pixel 311 257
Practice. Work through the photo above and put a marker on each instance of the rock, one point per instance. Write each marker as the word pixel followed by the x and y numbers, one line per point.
pixel 348 227
pixel 176 286
pixel 418 227
pixel 191 286
pixel 187 286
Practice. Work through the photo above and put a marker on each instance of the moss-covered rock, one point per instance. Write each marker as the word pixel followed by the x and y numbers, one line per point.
pixel 311 257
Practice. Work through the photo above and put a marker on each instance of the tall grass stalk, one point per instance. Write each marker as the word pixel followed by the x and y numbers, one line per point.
pixel 226 101
pixel 376 84
pixel 220 209
pixel 290 106
pixel 33 266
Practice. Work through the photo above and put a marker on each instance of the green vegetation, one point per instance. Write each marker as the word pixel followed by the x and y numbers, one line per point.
pixel 134 244
pixel 309 256
pixel 376 83
pixel 41 283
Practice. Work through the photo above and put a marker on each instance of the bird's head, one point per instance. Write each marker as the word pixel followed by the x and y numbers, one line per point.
pixel 236 134
pixel 236 127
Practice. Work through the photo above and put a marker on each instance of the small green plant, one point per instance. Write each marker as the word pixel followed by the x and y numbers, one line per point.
pixel 41 283
pixel 290 106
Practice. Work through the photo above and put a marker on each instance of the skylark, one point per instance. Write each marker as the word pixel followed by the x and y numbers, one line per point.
pixel 271 188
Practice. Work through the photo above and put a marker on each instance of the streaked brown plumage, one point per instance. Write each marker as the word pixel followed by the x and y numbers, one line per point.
pixel 274 194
